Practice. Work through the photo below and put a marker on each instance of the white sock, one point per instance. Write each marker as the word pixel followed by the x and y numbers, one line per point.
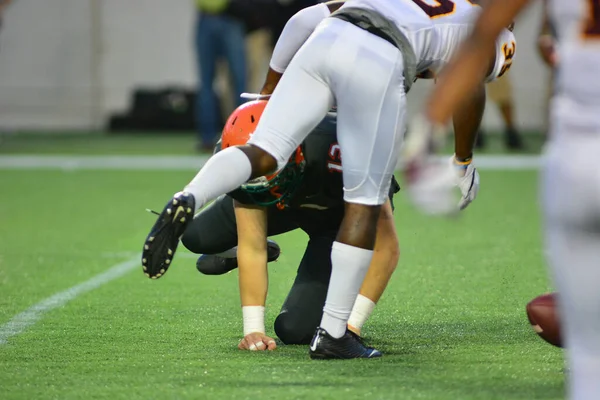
pixel 363 307
pixel 349 266
pixel 222 173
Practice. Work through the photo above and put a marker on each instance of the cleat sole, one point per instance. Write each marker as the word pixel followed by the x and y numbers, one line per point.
pixel 162 242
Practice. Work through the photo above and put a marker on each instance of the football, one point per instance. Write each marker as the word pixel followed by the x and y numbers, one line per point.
pixel 543 316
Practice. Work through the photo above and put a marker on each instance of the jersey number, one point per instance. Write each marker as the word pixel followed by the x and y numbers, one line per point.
pixel 334 163
pixel 509 53
pixel 443 7
pixel 592 25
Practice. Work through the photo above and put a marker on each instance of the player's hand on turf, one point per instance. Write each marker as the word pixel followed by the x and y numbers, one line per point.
pixel 257 341
pixel 467 180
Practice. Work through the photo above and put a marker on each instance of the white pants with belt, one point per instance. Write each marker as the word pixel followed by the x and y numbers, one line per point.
pixel 363 75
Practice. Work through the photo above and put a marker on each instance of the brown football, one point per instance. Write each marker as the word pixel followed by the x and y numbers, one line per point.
pixel 543 316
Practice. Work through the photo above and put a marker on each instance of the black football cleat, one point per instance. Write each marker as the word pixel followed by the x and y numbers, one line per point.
pixel 214 264
pixel 163 239
pixel 325 347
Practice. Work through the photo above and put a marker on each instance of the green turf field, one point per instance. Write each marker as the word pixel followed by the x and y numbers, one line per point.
pixel 451 325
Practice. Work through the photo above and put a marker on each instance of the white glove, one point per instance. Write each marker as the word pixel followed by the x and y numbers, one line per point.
pixel 467 180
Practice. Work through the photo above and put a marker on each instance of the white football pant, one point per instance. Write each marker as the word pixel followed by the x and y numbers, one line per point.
pixel 363 75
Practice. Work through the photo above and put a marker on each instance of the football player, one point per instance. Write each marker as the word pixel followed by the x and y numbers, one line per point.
pixel 363 58
pixel 571 173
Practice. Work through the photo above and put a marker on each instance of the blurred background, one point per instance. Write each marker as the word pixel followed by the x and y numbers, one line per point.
pixel 96 69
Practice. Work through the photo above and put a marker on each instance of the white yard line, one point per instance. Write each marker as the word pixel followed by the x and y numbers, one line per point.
pixel 106 162
pixel 20 322
pixel 143 163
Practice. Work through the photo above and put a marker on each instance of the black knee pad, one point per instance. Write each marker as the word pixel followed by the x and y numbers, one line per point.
pixel 191 243
pixel 292 330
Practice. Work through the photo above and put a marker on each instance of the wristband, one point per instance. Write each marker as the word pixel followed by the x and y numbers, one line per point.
pixel 254 319
pixel 462 162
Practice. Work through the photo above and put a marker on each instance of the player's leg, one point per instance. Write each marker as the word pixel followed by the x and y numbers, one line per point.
pixel 369 87
pixel 303 308
pixel 571 193
pixel 300 102
pixel 213 230
pixel 501 93
pixel 222 263
pixel 213 233
pixel 383 264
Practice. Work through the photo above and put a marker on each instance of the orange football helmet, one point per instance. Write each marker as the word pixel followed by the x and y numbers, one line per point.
pixel 267 190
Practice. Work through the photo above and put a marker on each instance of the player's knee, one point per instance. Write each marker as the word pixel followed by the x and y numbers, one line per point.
pixel 292 330
pixel 359 226
pixel 365 212
pixel 191 242
pixel 262 162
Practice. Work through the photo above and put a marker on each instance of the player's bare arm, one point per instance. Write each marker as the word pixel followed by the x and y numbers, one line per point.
pixel 271 81
pixel 253 274
pixel 466 121
pixel 468 68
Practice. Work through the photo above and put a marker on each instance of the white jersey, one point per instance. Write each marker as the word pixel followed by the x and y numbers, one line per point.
pixel 434 28
pixel 577 99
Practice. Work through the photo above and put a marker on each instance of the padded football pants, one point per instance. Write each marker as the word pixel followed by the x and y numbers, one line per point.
pixel 363 75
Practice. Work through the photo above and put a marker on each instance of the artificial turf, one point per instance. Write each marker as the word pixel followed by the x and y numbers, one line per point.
pixel 451 325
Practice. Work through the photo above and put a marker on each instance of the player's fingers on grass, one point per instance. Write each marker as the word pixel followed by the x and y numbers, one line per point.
pixel 258 345
pixel 254 342
pixel 243 345
pixel 271 345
